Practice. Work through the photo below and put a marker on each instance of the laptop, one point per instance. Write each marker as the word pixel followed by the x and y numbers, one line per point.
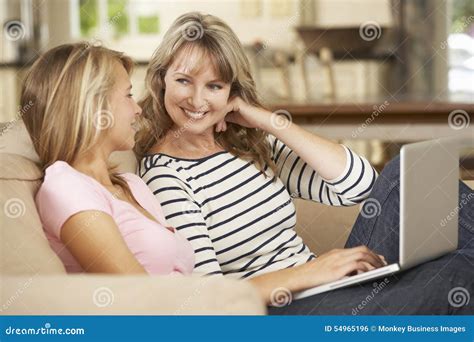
pixel 429 190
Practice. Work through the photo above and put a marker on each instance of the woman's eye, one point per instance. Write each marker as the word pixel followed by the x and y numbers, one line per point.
pixel 130 95
pixel 215 86
pixel 182 80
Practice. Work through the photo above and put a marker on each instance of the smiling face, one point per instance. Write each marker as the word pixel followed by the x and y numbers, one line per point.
pixel 123 114
pixel 195 96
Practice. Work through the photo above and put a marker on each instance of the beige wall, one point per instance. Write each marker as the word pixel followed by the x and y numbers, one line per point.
pixel 347 12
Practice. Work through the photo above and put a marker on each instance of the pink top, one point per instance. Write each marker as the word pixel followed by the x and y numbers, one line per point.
pixel 66 191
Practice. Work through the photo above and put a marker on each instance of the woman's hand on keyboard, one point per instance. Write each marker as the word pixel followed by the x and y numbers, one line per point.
pixel 327 267
pixel 337 264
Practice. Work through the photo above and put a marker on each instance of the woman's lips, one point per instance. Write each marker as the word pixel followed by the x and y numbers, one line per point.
pixel 195 115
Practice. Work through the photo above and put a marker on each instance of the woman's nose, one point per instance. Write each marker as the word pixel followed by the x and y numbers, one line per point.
pixel 198 101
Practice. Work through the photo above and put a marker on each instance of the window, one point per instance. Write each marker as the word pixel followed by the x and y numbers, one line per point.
pixel 116 19
pixel 461 47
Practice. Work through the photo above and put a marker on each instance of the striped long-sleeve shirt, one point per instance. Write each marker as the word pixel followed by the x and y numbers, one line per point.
pixel 241 223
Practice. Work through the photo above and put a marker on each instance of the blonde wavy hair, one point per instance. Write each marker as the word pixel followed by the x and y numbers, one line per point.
pixel 62 94
pixel 219 43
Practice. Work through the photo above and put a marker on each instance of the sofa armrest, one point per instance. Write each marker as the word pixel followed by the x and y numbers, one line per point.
pixel 127 295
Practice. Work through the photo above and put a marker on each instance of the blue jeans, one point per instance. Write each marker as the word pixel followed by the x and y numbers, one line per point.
pixel 441 286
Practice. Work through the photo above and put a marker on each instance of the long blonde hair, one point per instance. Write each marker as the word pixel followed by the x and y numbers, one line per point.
pixel 217 40
pixel 63 93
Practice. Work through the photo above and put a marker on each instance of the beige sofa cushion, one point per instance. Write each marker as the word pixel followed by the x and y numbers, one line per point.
pixel 323 227
pixel 15 140
pixel 24 247
pixel 78 294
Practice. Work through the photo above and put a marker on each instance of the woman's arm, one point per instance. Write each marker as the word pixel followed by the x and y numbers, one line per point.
pixel 330 159
pixel 94 240
pixel 311 167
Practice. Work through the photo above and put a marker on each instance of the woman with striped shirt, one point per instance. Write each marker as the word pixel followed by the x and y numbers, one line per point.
pixel 225 170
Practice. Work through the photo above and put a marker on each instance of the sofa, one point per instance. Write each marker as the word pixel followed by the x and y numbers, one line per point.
pixel 33 280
